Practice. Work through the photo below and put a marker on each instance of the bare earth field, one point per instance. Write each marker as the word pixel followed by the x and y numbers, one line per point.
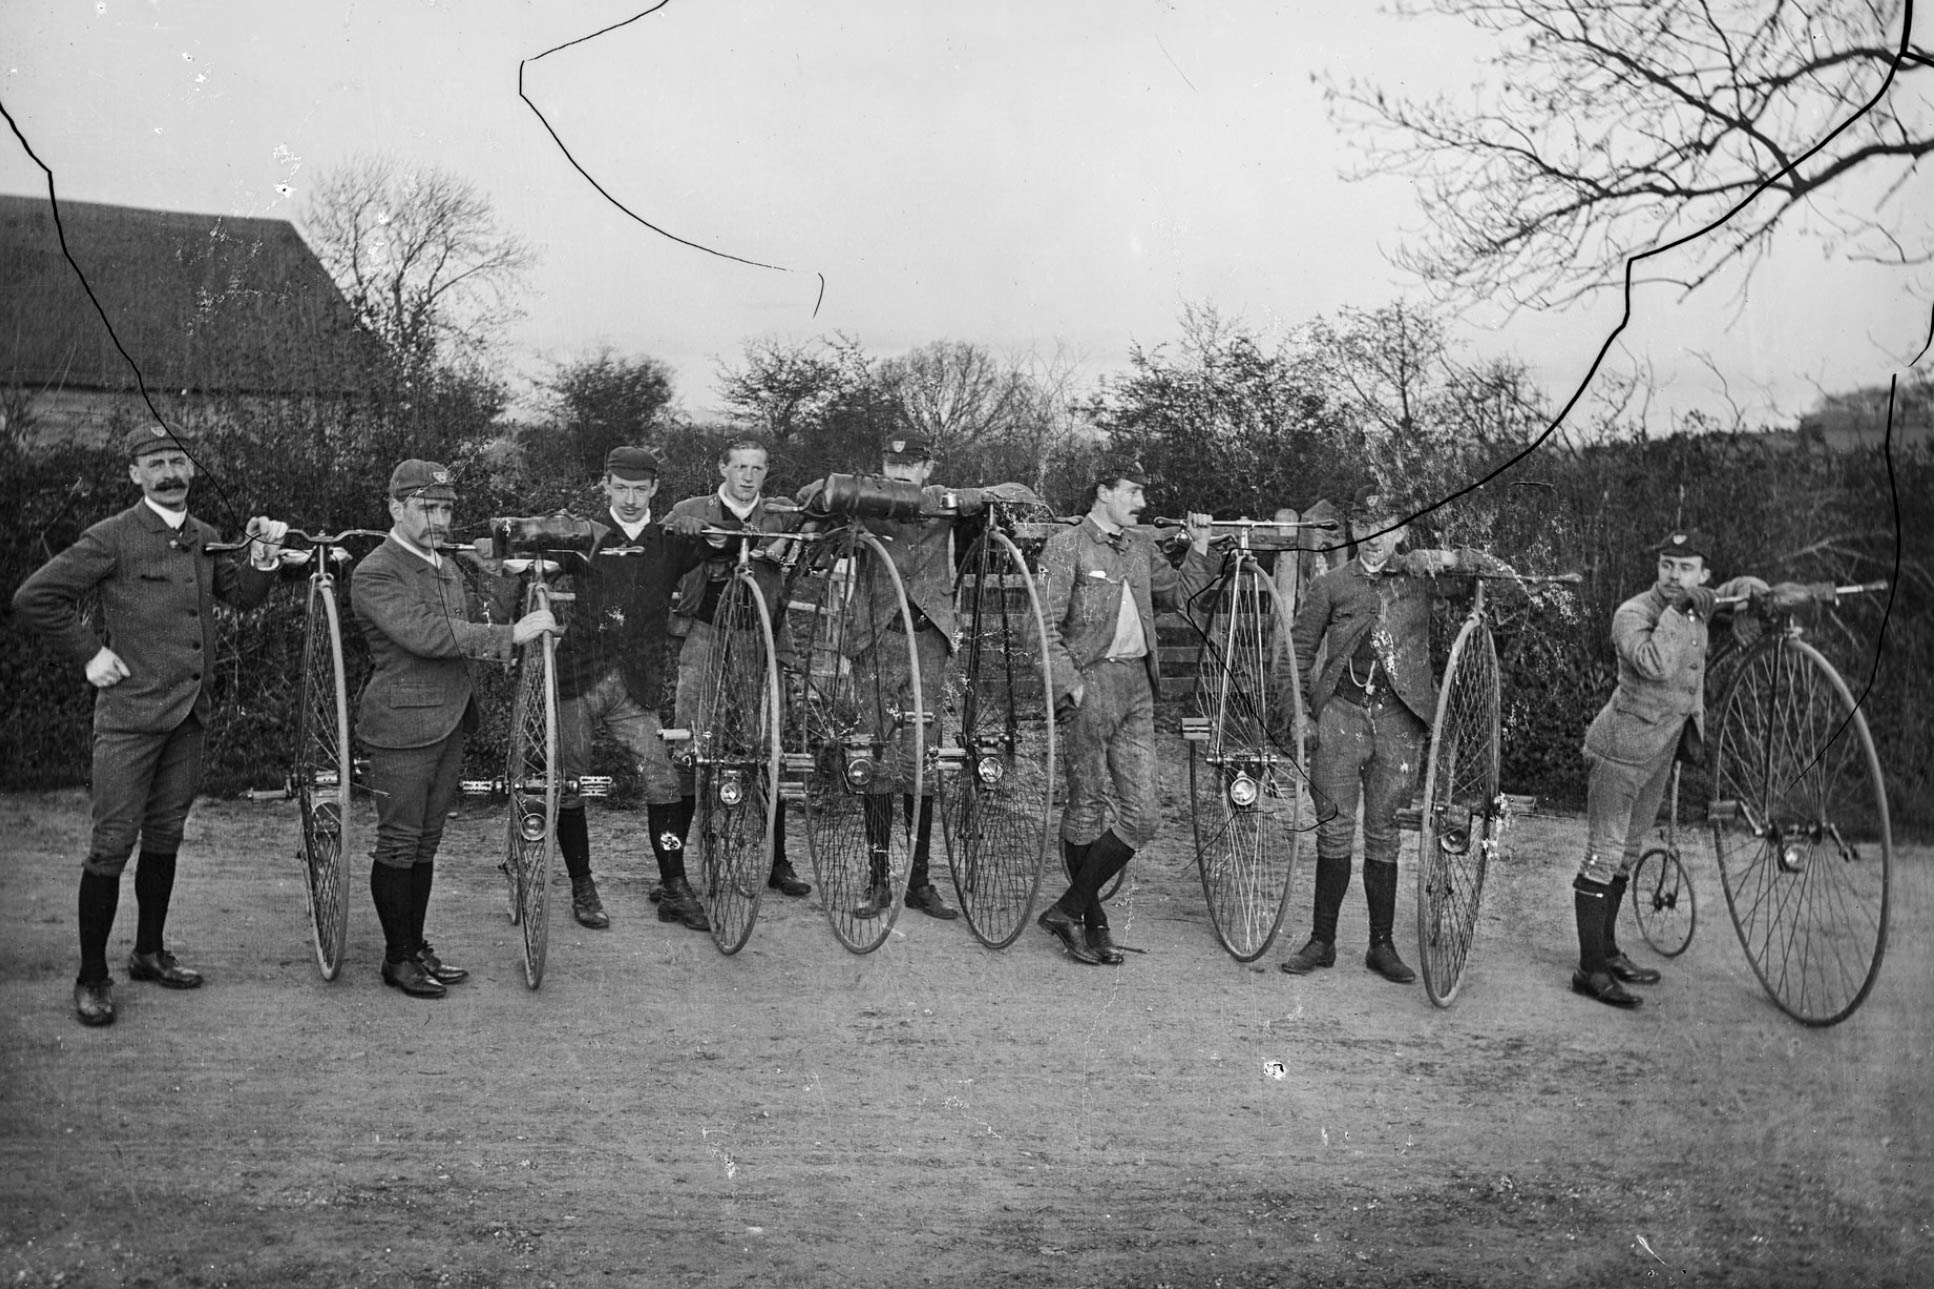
pixel 934 1113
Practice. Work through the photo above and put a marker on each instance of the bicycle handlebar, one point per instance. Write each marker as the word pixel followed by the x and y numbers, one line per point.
pixel 1815 593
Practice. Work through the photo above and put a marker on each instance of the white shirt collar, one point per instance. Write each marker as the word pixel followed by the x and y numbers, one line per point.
pixel 743 512
pixel 631 531
pixel 173 518
pixel 428 557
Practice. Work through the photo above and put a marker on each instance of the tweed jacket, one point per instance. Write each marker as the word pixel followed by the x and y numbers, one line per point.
pixel 718 565
pixel 923 554
pixel 157 591
pixel 1661 682
pixel 1348 602
pixel 1086 571
pixel 619 620
pixel 421 626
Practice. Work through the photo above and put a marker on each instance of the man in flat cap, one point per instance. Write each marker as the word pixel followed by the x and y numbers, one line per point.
pixel 738 503
pixel 157 584
pixel 1106 579
pixel 421 624
pixel 1371 706
pixel 610 674
pixel 1658 709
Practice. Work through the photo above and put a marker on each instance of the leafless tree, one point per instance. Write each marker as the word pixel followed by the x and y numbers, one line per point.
pixel 420 256
pixel 1609 127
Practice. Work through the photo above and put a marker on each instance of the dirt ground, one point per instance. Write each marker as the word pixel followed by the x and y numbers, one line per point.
pixel 934 1113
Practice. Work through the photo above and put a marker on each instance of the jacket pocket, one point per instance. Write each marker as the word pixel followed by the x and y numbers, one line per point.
pixel 415 696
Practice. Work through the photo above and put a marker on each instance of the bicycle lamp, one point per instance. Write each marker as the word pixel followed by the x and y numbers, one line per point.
pixel 860 771
pixel 731 789
pixel 1243 791
pixel 530 826
pixel 989 771
pixel 1792 855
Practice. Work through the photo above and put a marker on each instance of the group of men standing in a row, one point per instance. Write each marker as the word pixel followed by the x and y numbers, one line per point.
pixel 643 579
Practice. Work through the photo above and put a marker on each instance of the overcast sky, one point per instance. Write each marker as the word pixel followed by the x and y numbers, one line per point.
pixel 1021 174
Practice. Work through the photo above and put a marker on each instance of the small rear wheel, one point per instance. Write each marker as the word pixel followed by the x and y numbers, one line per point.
pixel 1660 892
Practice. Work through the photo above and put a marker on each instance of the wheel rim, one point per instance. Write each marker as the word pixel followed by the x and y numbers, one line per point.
pixel 1460 824
pixel 737 764
pixel 322 779
pixel 995 800
pixel 1801 829
pixel 1246 782
pixel 1660 894
pixel 850 708
pixel 530 777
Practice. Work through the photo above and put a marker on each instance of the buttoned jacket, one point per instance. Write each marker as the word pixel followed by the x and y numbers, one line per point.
pixel 719 564
pixel 622 610
pixel 922 551
pixel 157 592
pixel 1086 571
pixel 421 625
pixel 1661 682
pixel 1348 602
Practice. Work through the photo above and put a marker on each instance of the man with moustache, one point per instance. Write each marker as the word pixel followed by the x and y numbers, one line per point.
pixel 421 624
pixel 157 584
pixel 1372 705
pixel 610 674
pixel 1106 580
pixel 739 503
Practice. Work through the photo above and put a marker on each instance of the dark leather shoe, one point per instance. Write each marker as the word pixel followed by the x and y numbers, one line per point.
pixel 437 969
pixel 586 907
pixel 1629 972
pixel 1103 946
pixel 875 903
pixel 928 901
pixel 1072 935
pixel 94 1002
pixel 1602 986
pixel 410 976
pixel 680 904
pixel 786 882
pixel 1313 955
pixel 656 893
pixel 161 967
pixel 1383 960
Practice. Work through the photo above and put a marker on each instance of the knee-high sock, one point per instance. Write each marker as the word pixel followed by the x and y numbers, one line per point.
pixel 1332 884
pixel 667 825
pixel 1614 900
pixel 1588 900
pixel 422 878
pixel 1380 893
pixel 878 809
pixel 574 843
pixel 99 897
pixel 1107 855
pixel 392 890
pixel 922 840
pixel 154 883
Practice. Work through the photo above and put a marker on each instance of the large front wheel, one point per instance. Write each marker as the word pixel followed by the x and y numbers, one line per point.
pixel 857 741
pixel 996 781
pixel 735 750
pixel 321 778
pixel 1461 815
pixel 530 777
pixel 1800 823
pixel 1246 778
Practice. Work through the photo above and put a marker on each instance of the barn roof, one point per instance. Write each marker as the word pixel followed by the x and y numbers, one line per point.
pixel 207 304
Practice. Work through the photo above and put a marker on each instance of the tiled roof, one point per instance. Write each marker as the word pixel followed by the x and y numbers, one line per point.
pixel 202 303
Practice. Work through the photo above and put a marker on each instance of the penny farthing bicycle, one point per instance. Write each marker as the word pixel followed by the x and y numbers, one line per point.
pixel 735 749
pixel 1799 816
pixel 855 734
pixel 1247 782
pixel 533 550
pixel 995 737
pixel 323 772
pixel 1462 818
